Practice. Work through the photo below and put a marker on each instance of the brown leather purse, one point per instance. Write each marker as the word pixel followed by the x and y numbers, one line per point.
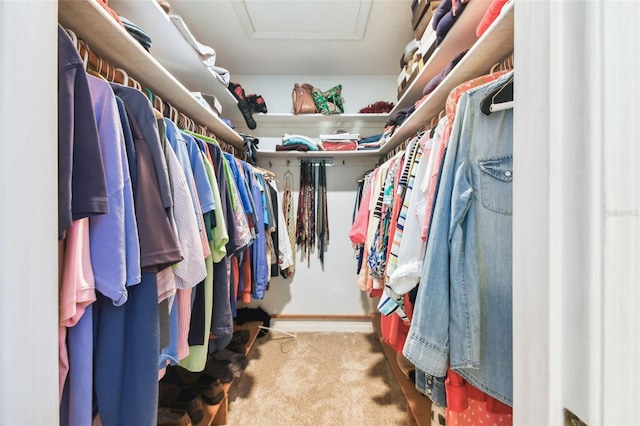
pixel 302 100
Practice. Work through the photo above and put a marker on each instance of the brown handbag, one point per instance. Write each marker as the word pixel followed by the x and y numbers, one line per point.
pixel 302 100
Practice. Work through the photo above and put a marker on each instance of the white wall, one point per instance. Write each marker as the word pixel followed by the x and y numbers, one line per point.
pixel 357 92
pixel 576 213
pixel 312 290
pixel 28 213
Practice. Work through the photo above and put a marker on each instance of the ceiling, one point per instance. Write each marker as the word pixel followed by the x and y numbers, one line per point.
pixel 301 37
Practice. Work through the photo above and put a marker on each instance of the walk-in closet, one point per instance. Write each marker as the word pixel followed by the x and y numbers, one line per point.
pixel 319 212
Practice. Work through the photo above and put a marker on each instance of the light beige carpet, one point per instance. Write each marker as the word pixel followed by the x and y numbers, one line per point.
pixel 317 379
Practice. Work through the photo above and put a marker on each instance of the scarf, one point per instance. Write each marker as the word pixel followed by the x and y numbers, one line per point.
pixel 323 218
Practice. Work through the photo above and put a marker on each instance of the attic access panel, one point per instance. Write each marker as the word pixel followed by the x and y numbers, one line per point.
pixel 303 19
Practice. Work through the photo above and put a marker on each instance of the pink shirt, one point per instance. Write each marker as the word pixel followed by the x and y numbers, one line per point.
pixel 77 286
pixel 358 234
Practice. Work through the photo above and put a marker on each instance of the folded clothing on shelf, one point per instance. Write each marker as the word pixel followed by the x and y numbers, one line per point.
pixel 293 147
pixel 371 142
pixel 300 139
pixel 435 81
pixel 137 33
pixel 339 141
pixel 344 145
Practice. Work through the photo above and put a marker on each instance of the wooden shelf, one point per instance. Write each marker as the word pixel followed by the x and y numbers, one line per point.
pixel 495 44
pixel 97 28
pixel 418 405
pixel 217 414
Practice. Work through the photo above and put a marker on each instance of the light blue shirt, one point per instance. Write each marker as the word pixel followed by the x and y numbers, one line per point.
pixel 462 315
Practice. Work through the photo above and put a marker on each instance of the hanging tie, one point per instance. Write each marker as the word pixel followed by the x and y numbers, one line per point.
pixel 290 220
pixel 311 189
pixel 323 218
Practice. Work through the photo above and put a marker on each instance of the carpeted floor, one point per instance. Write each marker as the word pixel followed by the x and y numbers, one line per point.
pixel 317 379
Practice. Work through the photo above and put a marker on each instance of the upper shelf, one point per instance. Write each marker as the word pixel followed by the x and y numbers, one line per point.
pixel 103 35
pixel 459 38
pixel 176 54
pixel 271 154
pixel 312 125
pixel 495 44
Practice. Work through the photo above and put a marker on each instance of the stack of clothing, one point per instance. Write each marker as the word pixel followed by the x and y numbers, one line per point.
pixel 372 142
pixel 137 33
pixel 445 16
pixel 298 143
pixel 341 141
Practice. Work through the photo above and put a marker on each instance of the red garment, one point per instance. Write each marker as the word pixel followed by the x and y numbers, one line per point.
pixel 490 15
pixel 235 276
pixel 110 11
pixel 394 330
pixel 467 405
pixel 358 233
pixel 248 278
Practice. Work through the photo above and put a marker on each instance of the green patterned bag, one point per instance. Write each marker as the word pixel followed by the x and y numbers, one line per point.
pixel 329 102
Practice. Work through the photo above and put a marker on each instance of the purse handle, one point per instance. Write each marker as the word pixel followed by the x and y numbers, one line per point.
pixel 296 100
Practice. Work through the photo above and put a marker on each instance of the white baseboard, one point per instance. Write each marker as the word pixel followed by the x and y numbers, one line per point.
pixel 300 326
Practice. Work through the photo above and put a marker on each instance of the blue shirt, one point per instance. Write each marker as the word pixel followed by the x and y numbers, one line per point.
pixel 259 255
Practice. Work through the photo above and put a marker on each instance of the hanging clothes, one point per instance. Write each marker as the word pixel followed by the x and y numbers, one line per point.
pixel 290 221
pixel 322 214
pixel 467 271
pixel 284 252
pixel 306 220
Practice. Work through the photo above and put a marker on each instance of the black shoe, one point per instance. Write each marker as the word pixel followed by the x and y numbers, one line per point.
pixel 173 417
pixel 239 342
pixel 174 395
pixel 226 365
pixel 257 103
pixel 209 388
pixel 243 104
pixel 245 108
pixel 237 91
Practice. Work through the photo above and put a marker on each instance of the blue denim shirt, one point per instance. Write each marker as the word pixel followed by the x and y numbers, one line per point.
pixel 462 313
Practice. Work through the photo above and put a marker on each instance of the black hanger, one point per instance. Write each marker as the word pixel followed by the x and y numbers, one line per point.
pixel 500 95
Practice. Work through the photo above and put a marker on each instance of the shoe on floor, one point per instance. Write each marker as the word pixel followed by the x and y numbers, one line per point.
pixel 174 395
pixel 239 342
pixel 405 365
pixel 173 417
pixel 226 368
pixel 210 389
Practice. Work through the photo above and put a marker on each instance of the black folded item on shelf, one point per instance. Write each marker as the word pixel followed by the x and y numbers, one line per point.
pixel 294 147
pixel 398 117
pixel 435 81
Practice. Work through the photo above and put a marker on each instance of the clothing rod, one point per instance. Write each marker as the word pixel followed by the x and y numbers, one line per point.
pixel 501 106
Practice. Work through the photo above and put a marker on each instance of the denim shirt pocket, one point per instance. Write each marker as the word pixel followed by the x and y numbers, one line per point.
pixel 496 179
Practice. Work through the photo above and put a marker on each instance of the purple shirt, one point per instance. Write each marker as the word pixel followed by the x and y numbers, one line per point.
pixel 113 236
